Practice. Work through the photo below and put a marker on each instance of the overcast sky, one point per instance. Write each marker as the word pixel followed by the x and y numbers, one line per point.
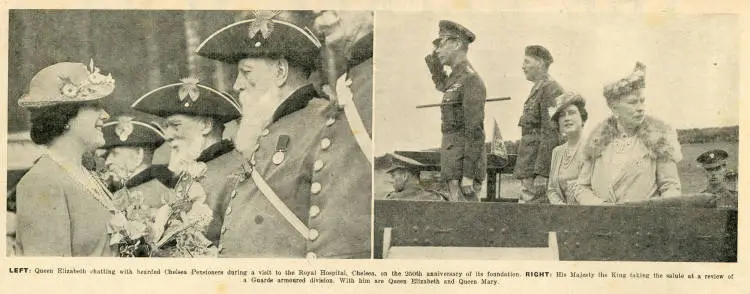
pixel 691 78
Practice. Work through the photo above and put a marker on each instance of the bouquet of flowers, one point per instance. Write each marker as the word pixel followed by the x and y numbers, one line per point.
pixel 176 229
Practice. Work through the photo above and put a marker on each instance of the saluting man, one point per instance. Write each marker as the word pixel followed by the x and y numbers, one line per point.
pixel 305 189
pixel 539 135
pixel 195 116
pixel 715 164
pixel 463 160
pixel 129 151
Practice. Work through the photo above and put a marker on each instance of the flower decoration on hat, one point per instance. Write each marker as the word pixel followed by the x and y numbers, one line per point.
pixel 189 89
pixel 563 101
pixel 67 82
pixel 85 89
pixel 124 127
pixel 263 23
pixel 635 81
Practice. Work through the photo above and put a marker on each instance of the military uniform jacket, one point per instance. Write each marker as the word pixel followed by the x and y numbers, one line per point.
pixel 222 160
pixel 462 149
pixel 309 157
pixel 539 134
pixel 727 197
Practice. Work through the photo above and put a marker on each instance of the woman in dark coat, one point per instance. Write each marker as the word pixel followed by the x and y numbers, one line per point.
pixel 62 208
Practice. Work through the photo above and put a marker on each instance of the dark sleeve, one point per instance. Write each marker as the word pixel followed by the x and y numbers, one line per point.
pixel 436 70
pixel 550 134
pixel 474 96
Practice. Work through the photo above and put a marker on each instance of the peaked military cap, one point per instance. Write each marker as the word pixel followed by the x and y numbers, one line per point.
pixel 67 82
pixel 190 98
pixel 539 52
pixel 131 132
pixel 268 34
pixel 399 162
pixel 636 80
pixel 713 158
pixel 450 29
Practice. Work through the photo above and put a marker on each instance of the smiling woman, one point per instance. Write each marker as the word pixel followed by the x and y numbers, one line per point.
pixel 62 209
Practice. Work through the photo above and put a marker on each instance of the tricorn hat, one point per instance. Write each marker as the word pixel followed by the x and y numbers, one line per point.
pixel 190 98
pixel 131 132
pixel 267 34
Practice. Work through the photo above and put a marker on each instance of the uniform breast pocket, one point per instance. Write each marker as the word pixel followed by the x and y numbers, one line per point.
pixel 452 107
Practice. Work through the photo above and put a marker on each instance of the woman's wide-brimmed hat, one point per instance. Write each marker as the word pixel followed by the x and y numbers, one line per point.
pixel 67 82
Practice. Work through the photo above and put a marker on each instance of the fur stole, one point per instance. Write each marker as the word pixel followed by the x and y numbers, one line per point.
pixel 660 139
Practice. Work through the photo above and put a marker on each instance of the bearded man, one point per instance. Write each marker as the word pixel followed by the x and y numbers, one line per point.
pixel 195 115
pixel 306 189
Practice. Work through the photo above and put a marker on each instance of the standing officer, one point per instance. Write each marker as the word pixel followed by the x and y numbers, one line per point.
pixel 129 146
pixel 306 189
pixel 463 161
pixel 715 163
pixel 195 116
pixel 538 132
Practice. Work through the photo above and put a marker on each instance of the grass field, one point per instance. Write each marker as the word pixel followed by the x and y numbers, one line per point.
pixel 692 176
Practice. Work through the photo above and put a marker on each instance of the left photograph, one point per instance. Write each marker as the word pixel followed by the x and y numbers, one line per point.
pixel 189 133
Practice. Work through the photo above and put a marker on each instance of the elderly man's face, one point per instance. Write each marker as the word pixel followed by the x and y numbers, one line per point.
pixel 255 77
pixel 122 161
pixel 185 135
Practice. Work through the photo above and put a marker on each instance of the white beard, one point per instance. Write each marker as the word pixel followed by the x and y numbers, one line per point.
pixel 185 154
pixel 256 115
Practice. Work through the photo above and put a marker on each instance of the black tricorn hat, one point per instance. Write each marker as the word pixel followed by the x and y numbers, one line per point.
pixel 268 34
pixel 131 132
pixel 190 98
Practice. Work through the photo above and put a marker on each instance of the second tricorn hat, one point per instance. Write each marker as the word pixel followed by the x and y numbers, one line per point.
pixel 131 132
pixel 190 98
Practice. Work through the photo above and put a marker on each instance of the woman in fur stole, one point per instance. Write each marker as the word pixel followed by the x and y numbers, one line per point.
pixel 630 157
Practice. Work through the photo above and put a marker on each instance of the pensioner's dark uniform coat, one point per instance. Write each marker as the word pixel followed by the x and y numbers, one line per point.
pixel 323 178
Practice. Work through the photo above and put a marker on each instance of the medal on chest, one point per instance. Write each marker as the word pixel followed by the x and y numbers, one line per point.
pixel 281 146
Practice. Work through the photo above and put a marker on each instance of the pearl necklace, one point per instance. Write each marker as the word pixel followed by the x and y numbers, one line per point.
pixel 569 155
pixel 89 182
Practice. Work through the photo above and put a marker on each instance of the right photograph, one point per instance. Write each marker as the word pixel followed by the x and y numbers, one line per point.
pixel 572 137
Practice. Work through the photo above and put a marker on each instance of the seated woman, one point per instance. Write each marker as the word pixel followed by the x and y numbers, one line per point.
pixel 62 208
pixel 630 157
pixel 569 116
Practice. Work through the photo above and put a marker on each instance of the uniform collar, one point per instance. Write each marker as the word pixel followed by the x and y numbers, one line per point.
pixel 296 101
pixel 360 51
pixel 216 150
pixel 538 84
pixel 158 172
